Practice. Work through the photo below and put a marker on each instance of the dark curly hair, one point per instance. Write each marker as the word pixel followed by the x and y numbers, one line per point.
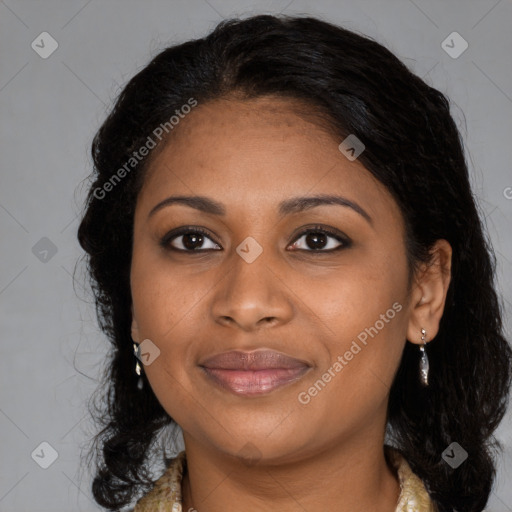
pixel 413 148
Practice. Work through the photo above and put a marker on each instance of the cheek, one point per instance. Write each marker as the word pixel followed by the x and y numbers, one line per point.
pixel 364 308
pixel 162 297
pixel 353 384
pixel 161 304
pixel 356 296
pixel 166 302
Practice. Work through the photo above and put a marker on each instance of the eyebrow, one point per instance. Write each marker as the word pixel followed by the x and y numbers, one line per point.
pixel 293 205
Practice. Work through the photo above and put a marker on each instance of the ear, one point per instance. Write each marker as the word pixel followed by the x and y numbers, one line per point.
pixel 135 327
pixel 428 295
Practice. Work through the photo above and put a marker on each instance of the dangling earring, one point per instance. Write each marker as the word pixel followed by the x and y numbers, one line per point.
pixel 138 370
pixel 424 366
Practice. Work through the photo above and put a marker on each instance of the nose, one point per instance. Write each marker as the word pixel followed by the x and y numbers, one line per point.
pixel 252 295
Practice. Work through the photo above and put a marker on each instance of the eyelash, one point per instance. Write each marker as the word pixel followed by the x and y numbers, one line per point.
pixel 169 237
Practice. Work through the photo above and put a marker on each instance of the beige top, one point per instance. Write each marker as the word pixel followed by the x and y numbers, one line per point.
pixel 166 493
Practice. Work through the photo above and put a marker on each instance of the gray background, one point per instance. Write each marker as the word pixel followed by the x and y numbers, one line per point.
pixel 50 108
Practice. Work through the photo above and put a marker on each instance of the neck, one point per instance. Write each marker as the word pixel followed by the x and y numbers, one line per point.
pixel 352 476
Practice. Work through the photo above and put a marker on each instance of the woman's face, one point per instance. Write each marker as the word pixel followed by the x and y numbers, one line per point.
pixel 264 275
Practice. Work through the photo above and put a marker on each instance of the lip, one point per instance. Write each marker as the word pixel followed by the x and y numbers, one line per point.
pixel 253 373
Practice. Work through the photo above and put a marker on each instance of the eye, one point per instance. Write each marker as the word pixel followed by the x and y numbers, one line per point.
pixel 194 239
pixel 317 238
pixel 188 239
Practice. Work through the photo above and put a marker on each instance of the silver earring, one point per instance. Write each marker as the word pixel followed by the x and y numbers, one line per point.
pixel 424 366
pixel 138 370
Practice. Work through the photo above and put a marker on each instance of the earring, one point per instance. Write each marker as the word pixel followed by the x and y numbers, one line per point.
pixel 424 366
pixel 138 370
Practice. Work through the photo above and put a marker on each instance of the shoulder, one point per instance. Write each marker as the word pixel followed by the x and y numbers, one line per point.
pixel 165 496
pixel 413 494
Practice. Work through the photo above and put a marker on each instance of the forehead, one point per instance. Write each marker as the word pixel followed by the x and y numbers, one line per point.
pixel 255 153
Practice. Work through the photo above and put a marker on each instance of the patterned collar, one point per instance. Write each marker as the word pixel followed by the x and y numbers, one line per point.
pixel 166 493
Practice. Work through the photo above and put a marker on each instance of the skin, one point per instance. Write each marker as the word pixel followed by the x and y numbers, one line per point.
pixel 249 156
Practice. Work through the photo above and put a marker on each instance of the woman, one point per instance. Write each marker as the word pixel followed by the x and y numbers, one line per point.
pixel 288 260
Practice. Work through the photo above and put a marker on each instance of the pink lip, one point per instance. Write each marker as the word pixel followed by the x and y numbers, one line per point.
pixel 253 373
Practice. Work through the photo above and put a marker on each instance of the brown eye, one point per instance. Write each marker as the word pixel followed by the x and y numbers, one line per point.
pixel 189 240
pixel 320 240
